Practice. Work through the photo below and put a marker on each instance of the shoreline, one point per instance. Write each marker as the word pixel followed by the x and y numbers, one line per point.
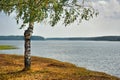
pixel 46 69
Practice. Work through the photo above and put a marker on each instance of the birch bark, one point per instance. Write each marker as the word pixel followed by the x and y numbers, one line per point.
pixel 27 46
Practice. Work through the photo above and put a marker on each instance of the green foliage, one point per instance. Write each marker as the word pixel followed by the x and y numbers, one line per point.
pixel 53 10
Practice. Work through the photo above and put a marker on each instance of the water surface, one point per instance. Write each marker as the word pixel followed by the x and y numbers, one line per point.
pixel 100 56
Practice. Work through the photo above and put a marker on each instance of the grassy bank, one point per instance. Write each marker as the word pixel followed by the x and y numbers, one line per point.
pixel 6 47
pixel 45 69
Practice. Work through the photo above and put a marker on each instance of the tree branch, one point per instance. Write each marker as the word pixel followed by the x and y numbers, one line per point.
pixel 13 4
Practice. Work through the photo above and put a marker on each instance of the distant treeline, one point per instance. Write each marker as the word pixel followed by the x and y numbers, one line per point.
pixel 20 38
pixel 102 38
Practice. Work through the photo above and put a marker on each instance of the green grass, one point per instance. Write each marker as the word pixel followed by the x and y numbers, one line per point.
pixel 7 47
pixel 46 69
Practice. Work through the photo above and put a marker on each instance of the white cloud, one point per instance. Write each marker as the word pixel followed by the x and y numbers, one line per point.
pixel 107 23
pixel 102 2
pixel 108 9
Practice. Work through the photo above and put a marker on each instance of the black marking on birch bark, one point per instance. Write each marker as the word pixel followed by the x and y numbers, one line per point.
pixel 27 36
pixel 27 53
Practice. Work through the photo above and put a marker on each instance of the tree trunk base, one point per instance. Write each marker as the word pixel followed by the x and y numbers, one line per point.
pixel 26 69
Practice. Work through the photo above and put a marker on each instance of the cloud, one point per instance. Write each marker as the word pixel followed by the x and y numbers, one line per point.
pixel 108 8
pixel 107 23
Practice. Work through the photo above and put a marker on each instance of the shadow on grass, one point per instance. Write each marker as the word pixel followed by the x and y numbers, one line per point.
pixel 20 73
pixel 9 75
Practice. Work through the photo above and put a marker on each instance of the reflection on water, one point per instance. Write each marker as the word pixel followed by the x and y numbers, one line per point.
pixel 99 56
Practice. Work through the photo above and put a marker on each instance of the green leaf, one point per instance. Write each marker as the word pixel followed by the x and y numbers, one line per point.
pixel 53 10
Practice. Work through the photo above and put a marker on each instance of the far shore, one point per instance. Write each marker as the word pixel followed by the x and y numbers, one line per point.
pixel 40 38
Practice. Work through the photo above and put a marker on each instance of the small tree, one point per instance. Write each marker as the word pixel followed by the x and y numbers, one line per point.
pixel 31 11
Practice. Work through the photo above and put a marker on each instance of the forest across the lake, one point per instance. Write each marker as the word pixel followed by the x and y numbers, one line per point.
pixel 99 38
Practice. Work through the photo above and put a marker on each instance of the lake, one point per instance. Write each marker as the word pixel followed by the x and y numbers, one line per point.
pixel 101 56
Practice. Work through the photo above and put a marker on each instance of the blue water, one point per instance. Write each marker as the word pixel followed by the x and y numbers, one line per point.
pixel 99 56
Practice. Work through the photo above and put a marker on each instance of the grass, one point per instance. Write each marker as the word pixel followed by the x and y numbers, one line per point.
pixel 6 47
pixel 46 69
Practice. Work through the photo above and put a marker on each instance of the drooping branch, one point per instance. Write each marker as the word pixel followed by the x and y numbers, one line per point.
pixel 13 4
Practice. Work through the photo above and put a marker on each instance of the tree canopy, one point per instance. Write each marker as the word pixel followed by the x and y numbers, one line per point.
pixel 53 10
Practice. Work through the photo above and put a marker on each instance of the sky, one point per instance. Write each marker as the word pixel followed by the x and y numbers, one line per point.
pixel 106 24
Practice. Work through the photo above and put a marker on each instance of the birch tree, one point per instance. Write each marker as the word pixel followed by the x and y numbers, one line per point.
pixel 35 11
